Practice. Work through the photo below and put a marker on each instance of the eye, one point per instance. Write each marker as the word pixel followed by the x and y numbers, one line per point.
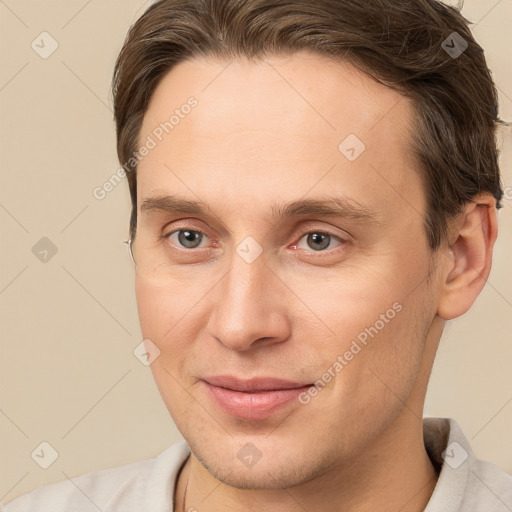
pixel 186 238
pixel 318 241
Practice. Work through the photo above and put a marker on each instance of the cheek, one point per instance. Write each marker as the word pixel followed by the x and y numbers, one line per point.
pixel 383 374
pixel 376 321
pixel 172 315
pixel 152 308
pixel 164 307
pixel 346 300
pixel 163 319
pixel 162 314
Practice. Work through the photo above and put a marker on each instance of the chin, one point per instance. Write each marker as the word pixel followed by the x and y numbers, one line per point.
pixel 276 467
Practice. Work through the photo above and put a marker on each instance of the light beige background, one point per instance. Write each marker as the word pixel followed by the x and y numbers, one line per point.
pixel 69 326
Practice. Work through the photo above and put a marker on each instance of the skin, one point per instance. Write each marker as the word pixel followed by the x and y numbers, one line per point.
pixel 268 131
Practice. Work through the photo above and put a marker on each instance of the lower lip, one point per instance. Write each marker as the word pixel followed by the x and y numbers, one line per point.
pixel 252 406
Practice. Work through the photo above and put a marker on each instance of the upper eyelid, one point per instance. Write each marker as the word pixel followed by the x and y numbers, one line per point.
pixel 306 226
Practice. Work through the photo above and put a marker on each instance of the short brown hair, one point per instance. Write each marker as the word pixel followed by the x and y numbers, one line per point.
pixel 400 43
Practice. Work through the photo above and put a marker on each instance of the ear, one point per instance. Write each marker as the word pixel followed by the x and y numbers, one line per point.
pixel 468 256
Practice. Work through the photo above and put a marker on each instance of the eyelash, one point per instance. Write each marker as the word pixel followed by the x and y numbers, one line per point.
pixel 341 241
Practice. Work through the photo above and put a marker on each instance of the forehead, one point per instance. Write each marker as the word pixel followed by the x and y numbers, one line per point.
pixel 280 124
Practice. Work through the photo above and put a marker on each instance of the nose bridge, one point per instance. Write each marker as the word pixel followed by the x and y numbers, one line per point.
pixel 244 289
pixel 247 309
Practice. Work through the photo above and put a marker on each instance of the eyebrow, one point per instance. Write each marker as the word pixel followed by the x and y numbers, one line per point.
pixel 339 206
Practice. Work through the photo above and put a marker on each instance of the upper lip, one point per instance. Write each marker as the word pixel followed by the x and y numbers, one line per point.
pixel 254 384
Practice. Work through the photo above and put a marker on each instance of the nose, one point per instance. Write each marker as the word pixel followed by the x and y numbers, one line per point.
pixel 251 308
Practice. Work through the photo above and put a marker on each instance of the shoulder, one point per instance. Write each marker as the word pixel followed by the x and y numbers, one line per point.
pixel 465 482
pixel 82 491
pixel 107 488
pixel 490 488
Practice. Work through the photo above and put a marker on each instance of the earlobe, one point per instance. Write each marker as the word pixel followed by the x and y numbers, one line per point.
pixel 469 255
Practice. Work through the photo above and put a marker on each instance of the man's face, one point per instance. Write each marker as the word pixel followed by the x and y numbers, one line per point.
pixel 264 134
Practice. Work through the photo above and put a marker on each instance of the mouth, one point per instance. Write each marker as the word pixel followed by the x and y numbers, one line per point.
pixel 252 399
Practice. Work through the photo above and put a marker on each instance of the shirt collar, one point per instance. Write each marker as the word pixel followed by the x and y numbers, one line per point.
pixel 453 458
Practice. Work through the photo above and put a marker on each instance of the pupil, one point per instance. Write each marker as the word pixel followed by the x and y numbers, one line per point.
pixel 188 238
pixel 319 237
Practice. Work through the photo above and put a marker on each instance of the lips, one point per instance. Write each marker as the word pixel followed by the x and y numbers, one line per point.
pixel 252 399
pixel 253 385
